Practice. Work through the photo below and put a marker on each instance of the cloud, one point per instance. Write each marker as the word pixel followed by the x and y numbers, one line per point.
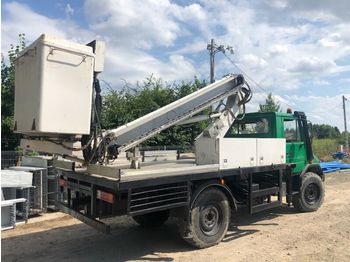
pixel 277 4
pixel 274 55
pixel 278 49
pixel 22 19
pixel 312 65
pixel 15 24
pixel 253 61
pixel 141 24
pixel 321 109
pixel 319 82
pixel 126 56
pixel 281 45
pixel 69 10
pixel 291 49
pixel 134 30
pixel 337 8
pixel 198 45
pixel 140 65
pixel 283 11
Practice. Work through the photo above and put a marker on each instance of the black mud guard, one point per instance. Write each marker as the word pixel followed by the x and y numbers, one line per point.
pixel 217 184
pixel 314 168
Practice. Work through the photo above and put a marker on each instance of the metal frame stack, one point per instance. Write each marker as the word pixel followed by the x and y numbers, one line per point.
pixel 12 206
pixel 38 194
pixel 44 194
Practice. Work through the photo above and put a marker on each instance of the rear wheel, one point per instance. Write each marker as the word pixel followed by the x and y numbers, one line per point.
pixel 152 219
pixel 311 193
pixel 210 218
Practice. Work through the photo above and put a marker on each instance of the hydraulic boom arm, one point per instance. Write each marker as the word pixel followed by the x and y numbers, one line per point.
pixel 130 135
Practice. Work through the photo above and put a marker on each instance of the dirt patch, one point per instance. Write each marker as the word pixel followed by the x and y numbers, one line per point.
pixel 277 235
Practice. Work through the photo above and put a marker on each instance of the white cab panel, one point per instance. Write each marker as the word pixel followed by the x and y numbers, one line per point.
pixel 271 151
pixel 237 152
pixel 53 88
pixel 241 152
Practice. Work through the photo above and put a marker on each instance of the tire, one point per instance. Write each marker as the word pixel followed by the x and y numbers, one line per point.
pixel 154 219
pixel 210 218
pixel 311 193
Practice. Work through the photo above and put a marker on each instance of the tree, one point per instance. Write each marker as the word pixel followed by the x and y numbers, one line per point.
pixel 325 131
pixel 9 140
pixel 270 105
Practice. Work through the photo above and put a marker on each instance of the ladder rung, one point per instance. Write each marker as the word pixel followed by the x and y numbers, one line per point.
pixel 265 192
pixel 265 206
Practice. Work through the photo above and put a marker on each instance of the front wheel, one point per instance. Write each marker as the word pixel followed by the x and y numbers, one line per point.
pixel 311 193
pixel 210 218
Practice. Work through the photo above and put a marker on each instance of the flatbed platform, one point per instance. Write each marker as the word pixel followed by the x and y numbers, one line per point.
pixel 166 168
pixel 158 172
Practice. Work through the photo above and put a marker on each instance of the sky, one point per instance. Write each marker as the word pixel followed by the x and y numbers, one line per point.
pixel 298 50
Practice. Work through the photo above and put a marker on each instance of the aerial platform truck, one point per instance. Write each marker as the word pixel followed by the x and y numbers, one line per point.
pixel 249 159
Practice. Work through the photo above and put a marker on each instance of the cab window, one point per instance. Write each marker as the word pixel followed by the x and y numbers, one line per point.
pixel 249 127
pixel 291 131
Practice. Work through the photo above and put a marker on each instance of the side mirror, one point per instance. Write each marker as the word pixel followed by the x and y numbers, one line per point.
pixel 310 129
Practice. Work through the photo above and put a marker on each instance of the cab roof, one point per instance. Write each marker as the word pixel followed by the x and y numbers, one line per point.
pixel 269 114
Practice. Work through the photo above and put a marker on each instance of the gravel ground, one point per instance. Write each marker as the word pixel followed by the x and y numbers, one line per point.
pixel 278 235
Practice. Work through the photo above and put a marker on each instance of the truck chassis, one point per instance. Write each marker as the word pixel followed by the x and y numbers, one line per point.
pixel 92 197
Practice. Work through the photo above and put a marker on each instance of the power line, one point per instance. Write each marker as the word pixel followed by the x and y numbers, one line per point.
pixel 264 90
pixel 252 80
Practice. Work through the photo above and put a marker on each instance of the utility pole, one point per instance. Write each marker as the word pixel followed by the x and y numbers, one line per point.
pixel 345 127
pixel 212 59
pixel 213 49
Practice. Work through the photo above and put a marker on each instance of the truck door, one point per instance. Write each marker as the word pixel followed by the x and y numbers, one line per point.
pixel 295 146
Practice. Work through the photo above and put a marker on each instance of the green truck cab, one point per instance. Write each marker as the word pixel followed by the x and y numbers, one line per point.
pixel 304 186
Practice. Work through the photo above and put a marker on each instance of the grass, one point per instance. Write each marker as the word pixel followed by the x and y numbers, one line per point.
pixel 323 148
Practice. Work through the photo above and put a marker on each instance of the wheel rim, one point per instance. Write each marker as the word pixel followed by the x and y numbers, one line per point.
pixel 312 193
pixel 211 220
